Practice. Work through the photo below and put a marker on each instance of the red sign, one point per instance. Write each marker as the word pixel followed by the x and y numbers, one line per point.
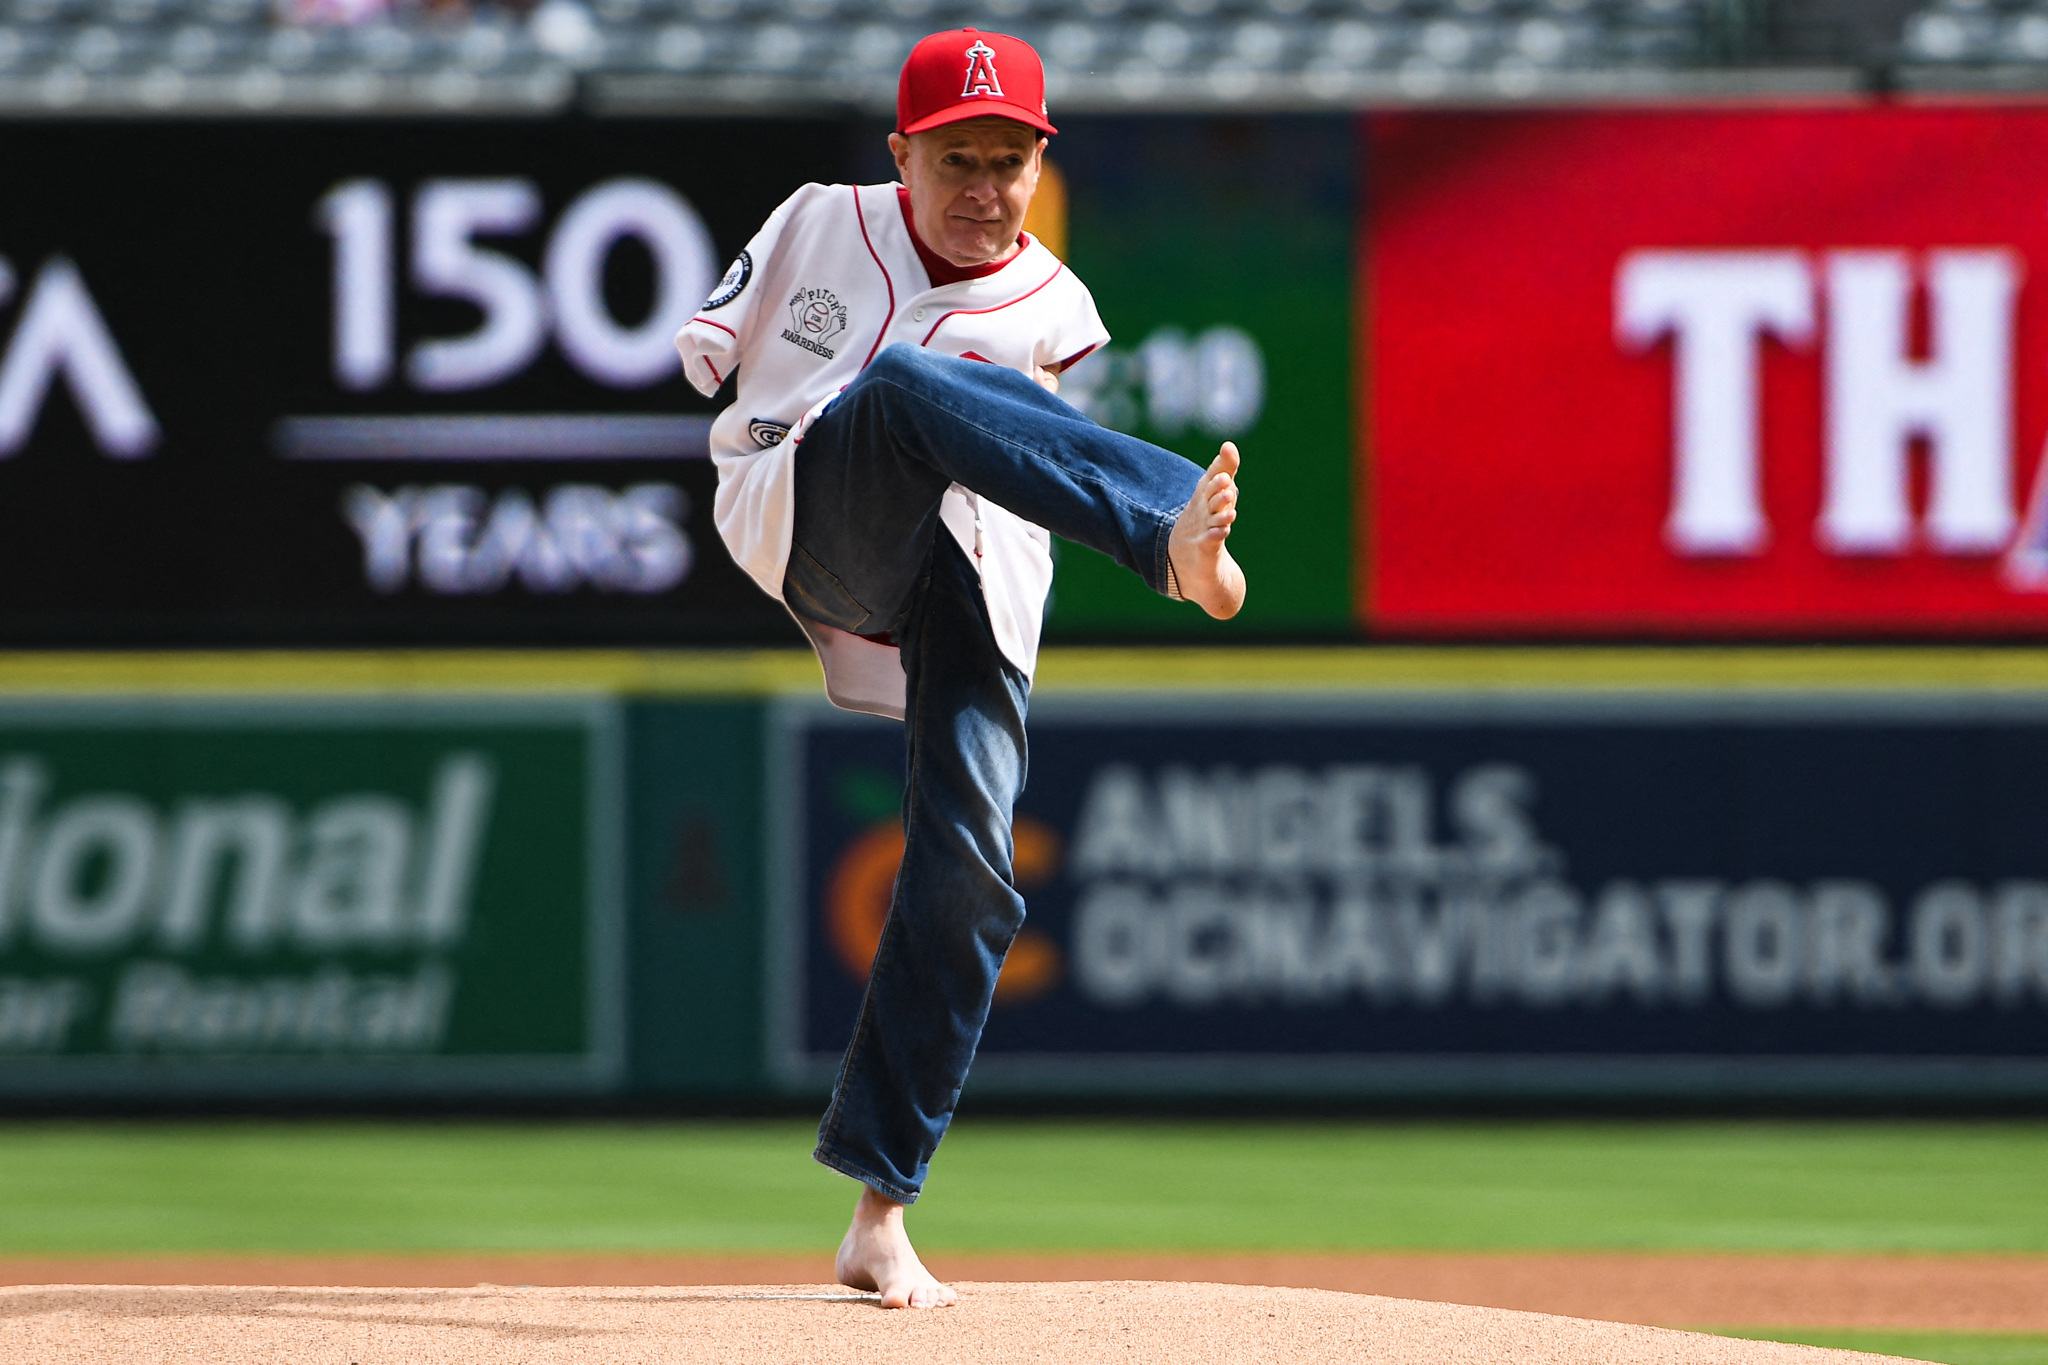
pixel 1717 373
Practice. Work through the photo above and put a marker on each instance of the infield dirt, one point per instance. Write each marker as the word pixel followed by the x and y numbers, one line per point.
pixel 1073 1324
pixel 1964 1293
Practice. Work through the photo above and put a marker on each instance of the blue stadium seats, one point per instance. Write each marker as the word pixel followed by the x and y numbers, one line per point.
pixel 454 55
pixel 1975 44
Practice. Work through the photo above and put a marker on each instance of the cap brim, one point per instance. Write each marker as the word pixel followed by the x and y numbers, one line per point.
pixel 985 108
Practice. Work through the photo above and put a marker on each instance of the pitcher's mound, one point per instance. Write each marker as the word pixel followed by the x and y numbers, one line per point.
pixel 1121 1321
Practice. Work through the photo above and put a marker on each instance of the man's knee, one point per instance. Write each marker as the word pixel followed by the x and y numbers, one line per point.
pixel 903 364
pixel 921 371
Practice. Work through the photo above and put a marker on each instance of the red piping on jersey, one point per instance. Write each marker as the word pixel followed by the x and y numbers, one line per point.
pixel 713 368
pixel 970 312
pixel 862 219
pixel 1060 368
pixel 720 326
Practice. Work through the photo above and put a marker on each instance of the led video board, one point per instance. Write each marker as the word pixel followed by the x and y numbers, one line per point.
pixel 1759 373
pixel 370 383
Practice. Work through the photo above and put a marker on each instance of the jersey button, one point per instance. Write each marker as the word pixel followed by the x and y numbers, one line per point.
pixel 917 315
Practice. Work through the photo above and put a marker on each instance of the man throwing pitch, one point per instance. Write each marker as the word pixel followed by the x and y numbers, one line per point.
pixel 889 469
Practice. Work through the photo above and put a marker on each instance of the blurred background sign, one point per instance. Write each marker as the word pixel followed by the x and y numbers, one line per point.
pixel 370 383
pixel 266 896
pixel 1219 251
pixel 1653 896
pixel 1730 373
pixel 394 382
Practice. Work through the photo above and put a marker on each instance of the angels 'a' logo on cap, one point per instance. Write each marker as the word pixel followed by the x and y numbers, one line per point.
pixel 981 72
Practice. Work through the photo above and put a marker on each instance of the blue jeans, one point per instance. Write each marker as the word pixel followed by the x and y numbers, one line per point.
pixel 869 555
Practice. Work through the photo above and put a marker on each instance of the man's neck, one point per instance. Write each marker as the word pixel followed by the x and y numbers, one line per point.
pixel 937 267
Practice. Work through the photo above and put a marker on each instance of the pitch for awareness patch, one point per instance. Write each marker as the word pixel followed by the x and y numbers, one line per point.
pixel 816 316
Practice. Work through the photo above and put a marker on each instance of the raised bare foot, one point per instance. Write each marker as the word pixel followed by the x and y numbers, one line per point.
pixel 877 1255
pixel 1206 573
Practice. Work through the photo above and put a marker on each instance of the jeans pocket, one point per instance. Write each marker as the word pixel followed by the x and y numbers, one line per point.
pixel 815 592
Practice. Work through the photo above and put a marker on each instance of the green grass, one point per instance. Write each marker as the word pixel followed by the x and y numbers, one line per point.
pixel 85 1188
pixel 1952 1348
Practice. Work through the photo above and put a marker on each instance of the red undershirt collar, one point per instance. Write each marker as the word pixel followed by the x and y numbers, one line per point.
pixel 941 270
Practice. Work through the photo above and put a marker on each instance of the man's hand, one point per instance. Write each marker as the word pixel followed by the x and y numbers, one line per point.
pixel 1049 378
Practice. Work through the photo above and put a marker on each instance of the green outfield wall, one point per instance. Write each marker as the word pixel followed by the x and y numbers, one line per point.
pixel 1558 874
pixel 255 894
pixel 697 945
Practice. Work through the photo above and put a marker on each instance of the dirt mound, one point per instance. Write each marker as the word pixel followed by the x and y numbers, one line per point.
pixel 1661 1288
pixel 1120 1321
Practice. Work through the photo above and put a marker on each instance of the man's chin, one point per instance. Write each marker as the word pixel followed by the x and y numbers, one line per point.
pixel 967 255
pixel 980 242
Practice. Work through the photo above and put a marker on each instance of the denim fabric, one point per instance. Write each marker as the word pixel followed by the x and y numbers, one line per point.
pixel 955 909
pixel 868 556
pixel 873 466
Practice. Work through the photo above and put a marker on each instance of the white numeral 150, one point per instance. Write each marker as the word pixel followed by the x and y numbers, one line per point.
pixel 519 310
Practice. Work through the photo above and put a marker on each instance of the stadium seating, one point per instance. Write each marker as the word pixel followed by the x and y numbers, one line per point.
pixel 1179 52
pixel 1975 44
pixel 481 56
pixel 340 55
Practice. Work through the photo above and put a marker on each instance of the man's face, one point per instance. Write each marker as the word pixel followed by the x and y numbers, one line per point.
pixel 970 183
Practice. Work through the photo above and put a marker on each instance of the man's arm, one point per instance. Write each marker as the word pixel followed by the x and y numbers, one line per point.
pixel 1049 375
pixel 711 342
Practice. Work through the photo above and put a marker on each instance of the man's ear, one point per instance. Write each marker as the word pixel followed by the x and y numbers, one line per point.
pixel 899 147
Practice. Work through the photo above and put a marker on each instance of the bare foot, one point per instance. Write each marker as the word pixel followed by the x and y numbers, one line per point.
pixel 877 1255
pixel 1207 575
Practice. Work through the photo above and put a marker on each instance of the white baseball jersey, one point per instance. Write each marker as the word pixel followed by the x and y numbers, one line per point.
pixel 831 278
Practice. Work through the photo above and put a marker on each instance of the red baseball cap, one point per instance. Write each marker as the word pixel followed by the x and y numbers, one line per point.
pixel 963 74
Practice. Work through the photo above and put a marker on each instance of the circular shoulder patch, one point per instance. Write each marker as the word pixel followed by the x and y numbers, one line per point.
pixel 736 276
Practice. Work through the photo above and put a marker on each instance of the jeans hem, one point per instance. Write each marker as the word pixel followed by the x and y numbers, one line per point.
pixel 1163 557
pixel 888 1189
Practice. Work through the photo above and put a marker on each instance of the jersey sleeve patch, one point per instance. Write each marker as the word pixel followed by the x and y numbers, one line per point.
pixel 734 284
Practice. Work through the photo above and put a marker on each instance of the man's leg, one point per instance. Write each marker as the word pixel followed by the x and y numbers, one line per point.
pixel 878 460
pixel 952 918
pixel 868 557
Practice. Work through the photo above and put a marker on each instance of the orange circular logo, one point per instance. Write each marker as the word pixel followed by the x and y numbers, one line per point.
pixel 863 882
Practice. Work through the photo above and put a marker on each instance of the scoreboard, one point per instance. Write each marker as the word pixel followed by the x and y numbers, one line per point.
pixel 396 383
pixel 370 383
